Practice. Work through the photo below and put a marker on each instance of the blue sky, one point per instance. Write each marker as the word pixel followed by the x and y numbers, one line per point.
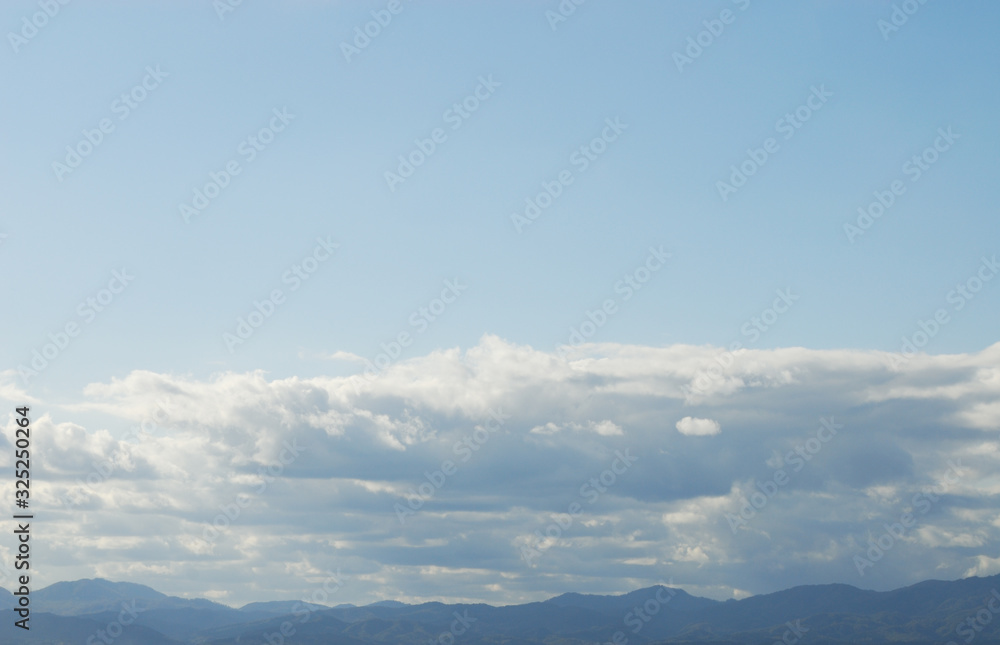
pixel 873 98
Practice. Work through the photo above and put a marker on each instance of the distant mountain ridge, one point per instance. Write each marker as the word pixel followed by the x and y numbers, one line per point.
pixel 932 611
pixel 280 607
pixel 679 599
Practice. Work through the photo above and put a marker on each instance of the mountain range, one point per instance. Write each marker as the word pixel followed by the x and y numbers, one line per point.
pixel 89 612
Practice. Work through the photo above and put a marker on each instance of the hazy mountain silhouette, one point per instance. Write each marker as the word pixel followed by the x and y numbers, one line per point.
pixel 52 629
pixel 680 601
pixel 279 607
pixel 924 613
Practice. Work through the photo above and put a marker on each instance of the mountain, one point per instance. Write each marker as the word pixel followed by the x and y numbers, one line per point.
pixel 7 600
pixel 96 595
pixel 102 601
pixel 388 603
pixel 281 607
pixel 933 611
pixel 680 600
pixel 51 629
pixel 927 611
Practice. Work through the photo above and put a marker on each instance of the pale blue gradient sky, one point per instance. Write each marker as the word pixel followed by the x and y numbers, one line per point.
pixel 656 184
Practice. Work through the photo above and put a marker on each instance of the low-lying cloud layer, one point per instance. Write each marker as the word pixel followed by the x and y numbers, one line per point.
pixel 504 474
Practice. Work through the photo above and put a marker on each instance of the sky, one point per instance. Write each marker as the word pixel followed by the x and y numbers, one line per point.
pixel 295 258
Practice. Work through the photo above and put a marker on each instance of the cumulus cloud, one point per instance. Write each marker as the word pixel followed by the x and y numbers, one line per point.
pixel 488 444
pixel 694 427
pixel 11 390
pixel 604 428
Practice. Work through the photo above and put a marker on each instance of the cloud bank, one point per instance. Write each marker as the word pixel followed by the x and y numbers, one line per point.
pixel 432 480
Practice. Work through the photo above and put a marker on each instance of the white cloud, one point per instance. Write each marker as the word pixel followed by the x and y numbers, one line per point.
pixel 347 356
pixel 604 428
pixel 11 390
pixel 694 427
pixel 363 450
